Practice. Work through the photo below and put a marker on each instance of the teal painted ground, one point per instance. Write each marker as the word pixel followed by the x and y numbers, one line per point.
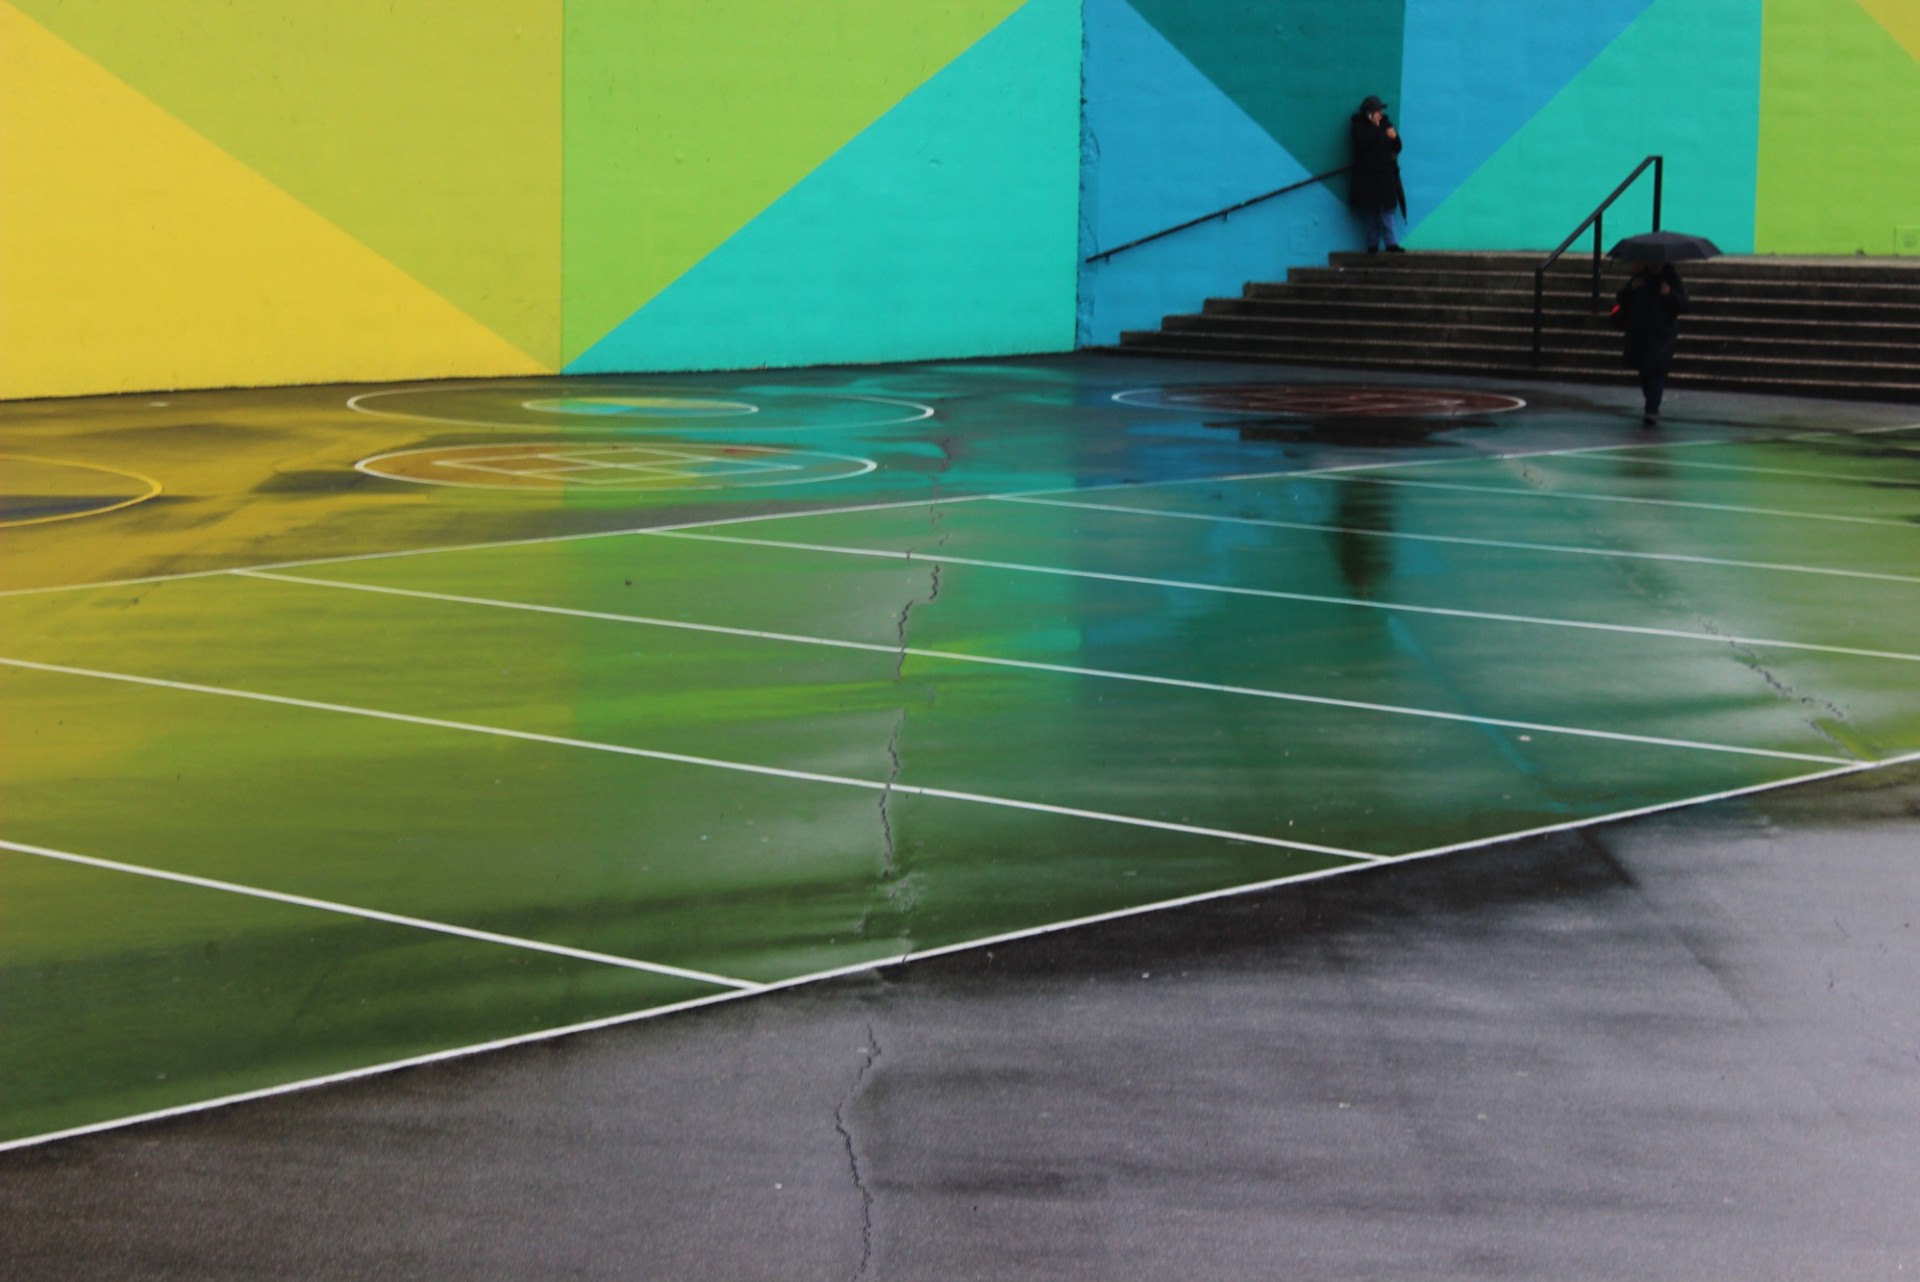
pixel 425 767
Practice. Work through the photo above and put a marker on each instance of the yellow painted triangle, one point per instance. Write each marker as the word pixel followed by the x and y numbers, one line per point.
pixel 1901 18
pixel 428 130
pixel 135 255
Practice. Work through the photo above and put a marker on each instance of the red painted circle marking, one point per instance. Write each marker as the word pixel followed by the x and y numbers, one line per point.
pixel 1324 400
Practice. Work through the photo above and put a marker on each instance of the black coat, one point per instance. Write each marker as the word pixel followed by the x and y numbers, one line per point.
pixel 1376 167
pixel 1651 319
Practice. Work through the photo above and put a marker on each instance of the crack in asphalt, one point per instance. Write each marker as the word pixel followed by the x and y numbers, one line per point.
pixel 1785 690
pixel 853 1154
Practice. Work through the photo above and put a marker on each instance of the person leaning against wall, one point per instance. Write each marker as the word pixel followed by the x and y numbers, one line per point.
pixel 1376 192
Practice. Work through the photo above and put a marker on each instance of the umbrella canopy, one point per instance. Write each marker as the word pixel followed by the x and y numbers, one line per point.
pixel 1664 247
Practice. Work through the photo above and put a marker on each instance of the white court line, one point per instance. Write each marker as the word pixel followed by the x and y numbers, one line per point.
pixel 1564 548
pixel 490 545
pixel 374 914
pixel 1789 471
pixel 1850 431
pixel 712 763
pixel 371 1070
pixel 938 501
pixel 1507 492
pixel 666 423
pixel 891 959
pixel 1276 595
pixel 1105 674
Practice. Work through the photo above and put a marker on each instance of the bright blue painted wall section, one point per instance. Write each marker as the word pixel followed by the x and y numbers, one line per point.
pixel 1478 70
pixel 1163 144
pixel 1683 81
pixel 948 227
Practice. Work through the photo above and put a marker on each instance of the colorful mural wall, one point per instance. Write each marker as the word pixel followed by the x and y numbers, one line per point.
pixel 1782 123
pixel 195 194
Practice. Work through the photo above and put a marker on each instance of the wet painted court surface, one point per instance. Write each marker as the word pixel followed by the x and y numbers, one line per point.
pixel 346 726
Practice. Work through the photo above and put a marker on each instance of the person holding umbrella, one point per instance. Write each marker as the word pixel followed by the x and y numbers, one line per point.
pixel 1649 305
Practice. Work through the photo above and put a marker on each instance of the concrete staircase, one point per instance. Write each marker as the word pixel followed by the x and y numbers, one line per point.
pixel 1841 327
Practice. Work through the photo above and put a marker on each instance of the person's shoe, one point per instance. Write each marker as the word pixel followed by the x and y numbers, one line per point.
pixel 1650 419
pixel 1395 249
pixel 1373 249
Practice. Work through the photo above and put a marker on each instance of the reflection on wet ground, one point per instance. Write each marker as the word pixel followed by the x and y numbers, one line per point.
pixel 398 721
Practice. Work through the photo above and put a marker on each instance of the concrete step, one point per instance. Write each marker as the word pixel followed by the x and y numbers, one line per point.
pixel 1153 343
pixel 1782 304
pixel 1319 348
pixel 1517 333
pixel 1558 285
pixel 1858 269
pixel 1834 326
pixel 1831 327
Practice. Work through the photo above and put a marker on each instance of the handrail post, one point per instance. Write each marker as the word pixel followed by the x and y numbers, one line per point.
pixel 1598 222
pixel 1539 307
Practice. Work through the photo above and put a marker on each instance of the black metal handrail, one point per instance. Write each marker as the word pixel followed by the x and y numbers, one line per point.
pixel 1221 213
pixel 1596 220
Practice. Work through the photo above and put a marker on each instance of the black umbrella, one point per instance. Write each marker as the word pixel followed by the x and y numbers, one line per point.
pixel 1664 247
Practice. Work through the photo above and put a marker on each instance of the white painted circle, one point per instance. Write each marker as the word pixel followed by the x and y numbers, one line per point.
pixel 559 467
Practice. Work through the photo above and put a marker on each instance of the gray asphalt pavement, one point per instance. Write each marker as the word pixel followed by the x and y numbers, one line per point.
pixel 1681 1047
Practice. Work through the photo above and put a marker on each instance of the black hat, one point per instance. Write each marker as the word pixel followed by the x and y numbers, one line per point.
pixel 1371 105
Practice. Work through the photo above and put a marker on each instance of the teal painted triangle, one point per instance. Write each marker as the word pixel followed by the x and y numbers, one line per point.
pixel 1682 81
pixel 1172 146
pixel 1455 114
pixel 1298 67
pixel 949 225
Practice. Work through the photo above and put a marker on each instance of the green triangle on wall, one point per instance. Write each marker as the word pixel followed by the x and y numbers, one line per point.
pixel 1627 104
pixel 677 138
pixel 1838 91
pixel 950 224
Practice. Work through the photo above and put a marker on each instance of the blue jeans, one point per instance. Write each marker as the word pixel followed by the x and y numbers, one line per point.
pixel 1378 222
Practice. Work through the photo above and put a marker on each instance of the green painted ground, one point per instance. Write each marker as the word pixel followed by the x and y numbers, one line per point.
pixel 771 748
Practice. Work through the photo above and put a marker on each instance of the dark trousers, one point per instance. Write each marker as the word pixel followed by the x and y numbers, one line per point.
pixel 1653 385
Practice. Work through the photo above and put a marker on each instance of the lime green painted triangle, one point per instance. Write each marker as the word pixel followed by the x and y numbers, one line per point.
pixel 1682 81
pixel 685 119
pixel 1838 90
pixel 1901 18
pixel 430 133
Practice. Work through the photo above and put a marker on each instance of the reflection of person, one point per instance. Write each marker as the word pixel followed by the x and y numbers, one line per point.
pixel 1376 191
pixel 1648 307
pixel 1362 535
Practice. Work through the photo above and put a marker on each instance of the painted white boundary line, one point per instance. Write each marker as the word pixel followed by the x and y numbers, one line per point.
pixel 1063 669
pixel 584 382
pixel 1504 492
pixel 880 963
pixel 1796 473
pixel 366 467
pixel 493 545
pixel 1847 432
pixel 934 501
pixel 1558 548
pixel 371 1070
pixel 711 763
pixel 1274 594
pixel 374 914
